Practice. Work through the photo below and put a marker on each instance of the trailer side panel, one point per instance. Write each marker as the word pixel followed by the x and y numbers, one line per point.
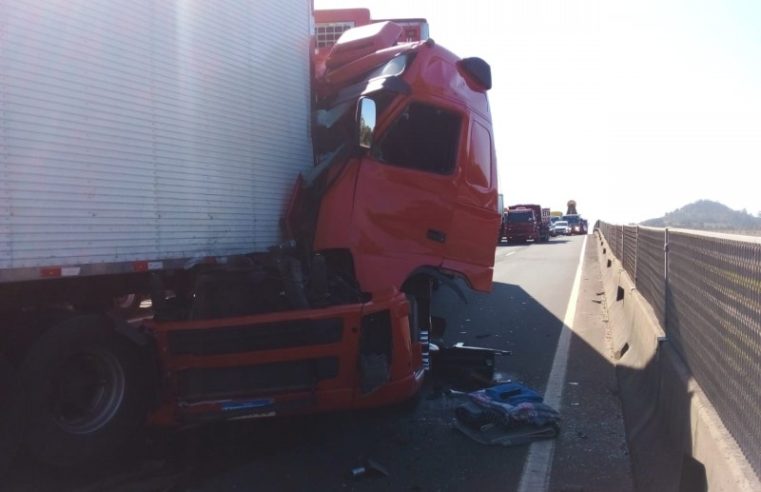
pixel 149 129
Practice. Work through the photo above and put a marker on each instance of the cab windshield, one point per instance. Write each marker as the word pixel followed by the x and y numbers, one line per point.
pixel 334 116
pixel 572 220
pixel 519 217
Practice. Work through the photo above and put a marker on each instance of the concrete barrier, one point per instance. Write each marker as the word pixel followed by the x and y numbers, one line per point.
pixel 676 439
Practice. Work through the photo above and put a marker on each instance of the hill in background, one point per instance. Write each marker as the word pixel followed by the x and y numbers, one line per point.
pixel 708 215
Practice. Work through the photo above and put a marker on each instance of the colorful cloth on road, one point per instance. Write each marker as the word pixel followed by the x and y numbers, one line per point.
pixel 512 404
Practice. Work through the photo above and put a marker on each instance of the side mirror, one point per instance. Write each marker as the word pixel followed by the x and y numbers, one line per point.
pixel 366 113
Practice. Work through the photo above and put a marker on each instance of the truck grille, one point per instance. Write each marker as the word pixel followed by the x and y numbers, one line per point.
pixel 251 338
pixel 229 382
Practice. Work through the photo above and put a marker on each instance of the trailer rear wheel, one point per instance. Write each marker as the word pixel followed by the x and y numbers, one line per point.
pixel 11 413
pixel 87 392
pixel 127 301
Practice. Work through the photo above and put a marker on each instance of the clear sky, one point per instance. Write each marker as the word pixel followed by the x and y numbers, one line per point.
pixel 632 108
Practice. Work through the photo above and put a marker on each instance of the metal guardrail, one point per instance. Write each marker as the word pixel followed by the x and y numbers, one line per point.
pixel 705 289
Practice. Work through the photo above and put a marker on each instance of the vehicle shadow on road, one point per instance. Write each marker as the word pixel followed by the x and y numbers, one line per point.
pixel 413 442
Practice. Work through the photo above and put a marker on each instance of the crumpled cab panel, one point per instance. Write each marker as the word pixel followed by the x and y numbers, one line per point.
pixel 425 194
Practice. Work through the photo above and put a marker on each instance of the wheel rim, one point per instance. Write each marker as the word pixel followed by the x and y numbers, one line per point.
pixel 88 391
pixel 125 302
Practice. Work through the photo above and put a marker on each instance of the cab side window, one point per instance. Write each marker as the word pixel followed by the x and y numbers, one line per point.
pixel 424 138
pixel 480 168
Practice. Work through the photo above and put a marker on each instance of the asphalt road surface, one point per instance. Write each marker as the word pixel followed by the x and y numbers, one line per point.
pixel 415 444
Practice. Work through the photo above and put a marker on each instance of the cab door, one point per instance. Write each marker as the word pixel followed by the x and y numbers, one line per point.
pixel 404 196
pixel 476 218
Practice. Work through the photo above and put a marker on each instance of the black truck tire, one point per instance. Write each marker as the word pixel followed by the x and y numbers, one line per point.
pixel 87 392
pixel 11 414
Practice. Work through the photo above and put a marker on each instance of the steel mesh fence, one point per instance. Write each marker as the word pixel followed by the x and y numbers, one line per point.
pixel 603 228
pixel 629 250
pixel 649 278
pixel 607 232
pixel 612 238
pixel 713 317
pixel 706 291
pixel 613 235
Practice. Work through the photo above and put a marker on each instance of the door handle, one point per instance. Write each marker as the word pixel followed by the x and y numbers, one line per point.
pixel 435 235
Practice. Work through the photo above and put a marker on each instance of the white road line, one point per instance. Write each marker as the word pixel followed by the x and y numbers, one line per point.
pixel 536 472
pixel 511 253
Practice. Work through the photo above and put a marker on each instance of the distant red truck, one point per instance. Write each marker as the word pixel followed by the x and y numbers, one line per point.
pixel 522 226
pixel 522 223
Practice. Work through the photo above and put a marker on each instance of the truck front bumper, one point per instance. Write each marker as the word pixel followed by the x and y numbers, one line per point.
pixel 294 362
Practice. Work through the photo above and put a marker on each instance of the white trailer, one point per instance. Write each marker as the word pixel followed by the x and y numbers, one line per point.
pixel 135 137
pixel 140 135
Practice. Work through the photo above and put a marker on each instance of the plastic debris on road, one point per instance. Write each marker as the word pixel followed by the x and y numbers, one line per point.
pixel 369 468
pixel 465 367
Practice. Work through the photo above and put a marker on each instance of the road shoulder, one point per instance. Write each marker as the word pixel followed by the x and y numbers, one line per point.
pixel 591 452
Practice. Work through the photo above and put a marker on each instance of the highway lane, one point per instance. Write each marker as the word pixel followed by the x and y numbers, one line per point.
pixel 524 312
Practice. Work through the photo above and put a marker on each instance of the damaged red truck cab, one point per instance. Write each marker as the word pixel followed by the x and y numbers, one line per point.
pixel 405 190
pixel 425 193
